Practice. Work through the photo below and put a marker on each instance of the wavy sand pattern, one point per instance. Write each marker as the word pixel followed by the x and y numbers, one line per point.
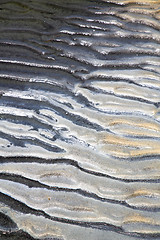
pixel 80 119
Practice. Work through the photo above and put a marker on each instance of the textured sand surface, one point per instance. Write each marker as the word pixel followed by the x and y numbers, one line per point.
pixel 79 119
